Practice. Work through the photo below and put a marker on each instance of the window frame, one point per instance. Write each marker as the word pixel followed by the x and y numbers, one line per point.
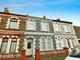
pixel 3 44
pixel 59 40
pixel 56 25
pixel 11 21
pixel 11 45
pixel 44 26
pixel 45 41
pixel 67 28
pixel 29 26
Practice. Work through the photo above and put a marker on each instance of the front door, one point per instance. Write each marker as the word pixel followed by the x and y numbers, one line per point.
pixel 29 46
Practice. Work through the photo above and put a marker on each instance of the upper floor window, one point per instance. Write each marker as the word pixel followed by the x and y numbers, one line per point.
pixel 56 27
pixel 67 28
pixel 31 25
pixel 13 23
pixel 44 26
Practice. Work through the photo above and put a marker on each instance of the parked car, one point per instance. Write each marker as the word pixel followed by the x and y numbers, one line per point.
pixel 74 54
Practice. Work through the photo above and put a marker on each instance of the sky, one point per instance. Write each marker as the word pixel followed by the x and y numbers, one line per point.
pixel 66 10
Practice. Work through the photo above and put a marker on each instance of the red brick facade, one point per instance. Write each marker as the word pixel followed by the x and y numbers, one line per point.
pixel 10 33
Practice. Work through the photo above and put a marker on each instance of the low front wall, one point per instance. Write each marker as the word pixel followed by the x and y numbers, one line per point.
pixel 52 55
pixel 14 56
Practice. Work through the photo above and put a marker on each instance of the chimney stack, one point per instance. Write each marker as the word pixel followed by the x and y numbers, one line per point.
pixel 44 17
pixel 6 10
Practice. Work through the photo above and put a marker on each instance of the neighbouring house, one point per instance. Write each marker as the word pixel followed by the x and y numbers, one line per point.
pixel 64 34
pixel 38 35
pixel 48 35
pixel 12 28
pixel 77 31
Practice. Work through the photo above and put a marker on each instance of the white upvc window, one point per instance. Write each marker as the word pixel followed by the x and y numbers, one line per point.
pixel 44 26
pixel 31 25
pixel 56 27
pixel 13 24
pixel 4 45
pixel 43 43
pixel 67 28
pixel 70 42
pixel 13 45
pixel 49 44
pixel 59 42
pixel 46 44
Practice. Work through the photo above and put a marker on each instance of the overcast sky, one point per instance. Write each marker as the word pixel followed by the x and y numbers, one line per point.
pixel 66 10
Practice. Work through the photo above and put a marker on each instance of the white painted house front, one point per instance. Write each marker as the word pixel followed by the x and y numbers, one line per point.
pixel 46 35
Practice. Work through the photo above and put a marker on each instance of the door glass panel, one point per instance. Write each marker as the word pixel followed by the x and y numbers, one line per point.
pixel 29 45
pixel 79 41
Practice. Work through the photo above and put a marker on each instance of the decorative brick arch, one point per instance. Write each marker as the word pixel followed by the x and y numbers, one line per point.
pixel 8 22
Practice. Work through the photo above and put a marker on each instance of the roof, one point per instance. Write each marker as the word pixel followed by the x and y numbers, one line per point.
pixel 77 30
pixel 58 20
pixel 13 14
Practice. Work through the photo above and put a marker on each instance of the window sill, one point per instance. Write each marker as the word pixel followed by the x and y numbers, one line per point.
pixel 12 29
pixel 57 31
pixel 45 30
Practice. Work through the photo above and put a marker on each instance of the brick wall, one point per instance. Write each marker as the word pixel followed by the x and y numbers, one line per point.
pixel 52 55
pixel 19 56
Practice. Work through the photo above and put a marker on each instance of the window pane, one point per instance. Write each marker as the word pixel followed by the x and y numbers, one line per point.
pixel 79 41
pixel 31 25
pixel 67 29
pixel 56 27
pixel 49 45
pixel 44 26
pixel 4 45
pixel 29 45
pixel 13 24
pixel 43 46
pixel 60 45
pixel 13 45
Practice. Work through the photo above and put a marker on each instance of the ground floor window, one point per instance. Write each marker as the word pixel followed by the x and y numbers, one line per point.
pixel 46 44
pixel 4 45
pixel 59 41
pixel 13 45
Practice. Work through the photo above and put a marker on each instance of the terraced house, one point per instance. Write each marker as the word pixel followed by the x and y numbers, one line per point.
pixel 38 34
pixel 48 35
pixel 64 34
pixel 18 32
pixel 11 32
